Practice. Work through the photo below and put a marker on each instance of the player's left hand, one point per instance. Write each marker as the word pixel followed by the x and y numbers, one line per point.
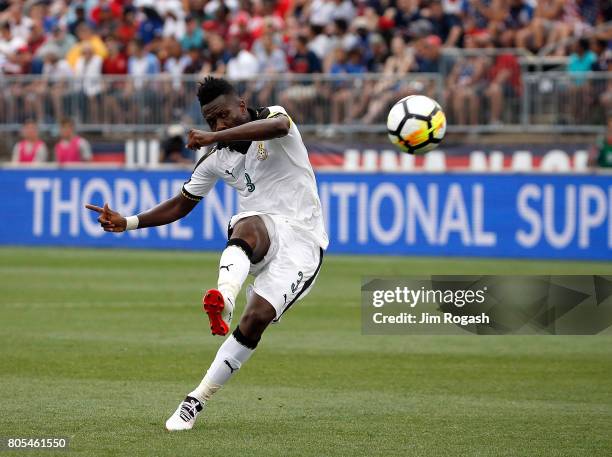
pixel 199 138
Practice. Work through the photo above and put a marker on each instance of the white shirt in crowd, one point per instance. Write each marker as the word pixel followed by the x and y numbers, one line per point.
pixel 90 71
pixel 57 71
pixel 8 47
pixel 242 66
pixel 321 12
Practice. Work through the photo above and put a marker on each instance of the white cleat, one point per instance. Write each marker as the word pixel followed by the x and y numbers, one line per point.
pixel 185 415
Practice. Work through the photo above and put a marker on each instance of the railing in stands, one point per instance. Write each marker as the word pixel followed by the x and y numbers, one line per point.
pixel 538 102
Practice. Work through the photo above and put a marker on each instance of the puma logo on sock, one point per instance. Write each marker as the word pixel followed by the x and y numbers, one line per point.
pixel 226 266
pixel 230 367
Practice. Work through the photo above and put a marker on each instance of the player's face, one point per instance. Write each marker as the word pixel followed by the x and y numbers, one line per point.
pixel 225 112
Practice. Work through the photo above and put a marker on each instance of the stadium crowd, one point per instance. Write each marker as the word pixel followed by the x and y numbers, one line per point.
pixel 242 39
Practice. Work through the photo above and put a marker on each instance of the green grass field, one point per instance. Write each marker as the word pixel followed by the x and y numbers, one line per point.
pixel 101 345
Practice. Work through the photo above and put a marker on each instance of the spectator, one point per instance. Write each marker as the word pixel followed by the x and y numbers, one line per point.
pixel 60 41
pixel 466 83
pixel 78 20
pixel 301 61
pixel 104 17
pixel 444 25
pixel 271 60
pixel 71 148
pixel 194 36
pixel 9 43
pixel 30 149
pixel 343 9
pixel 547 27
pixel 196 61
pixel 174 24
pixel 505 81
pixel 106 10
pixel 20 25
pixel 127 27
pixel 174 67
pixel 86 36
pixel 243 64
pixel 428 54
pixel 482 15
pixel 580 61
pixel 174 146
pixel 379 53
pixel 140 89
pixel 602 156
pixel 391 87
pixel 114 64
pixel 346 63
pixel 240 29
pixel 89 70
pixel 52 85
pixel 270 57
pixel 141 63
pixel 321 12
pixel 217 56
pixel 57 73
pixel 36 39
pixel 151 27
pixel 518 16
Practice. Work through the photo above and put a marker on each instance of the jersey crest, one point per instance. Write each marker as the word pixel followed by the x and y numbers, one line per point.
pixel 262 153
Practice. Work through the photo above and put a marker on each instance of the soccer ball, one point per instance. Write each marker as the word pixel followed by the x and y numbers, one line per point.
pixel 416 124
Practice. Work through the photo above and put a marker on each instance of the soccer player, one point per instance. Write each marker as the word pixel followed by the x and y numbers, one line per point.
pixel 278 235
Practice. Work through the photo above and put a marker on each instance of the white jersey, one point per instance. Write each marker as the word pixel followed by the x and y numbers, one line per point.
pixel 274 177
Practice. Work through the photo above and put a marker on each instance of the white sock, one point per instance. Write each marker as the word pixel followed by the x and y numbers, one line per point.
pixel 233 270
pixel 230 357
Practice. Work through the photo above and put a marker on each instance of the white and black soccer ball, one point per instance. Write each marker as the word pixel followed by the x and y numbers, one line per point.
pixel 416 124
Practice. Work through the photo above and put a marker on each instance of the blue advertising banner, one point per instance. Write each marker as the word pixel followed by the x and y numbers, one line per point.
pixel 522 216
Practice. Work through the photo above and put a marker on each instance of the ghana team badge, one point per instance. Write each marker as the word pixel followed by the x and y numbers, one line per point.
pixel 262 154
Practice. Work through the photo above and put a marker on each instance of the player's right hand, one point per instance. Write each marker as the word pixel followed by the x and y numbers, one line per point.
pixel 110 221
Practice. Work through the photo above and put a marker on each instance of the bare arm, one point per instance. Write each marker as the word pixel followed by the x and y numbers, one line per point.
pixel 494 12
pixel 166 212
pixel 265 129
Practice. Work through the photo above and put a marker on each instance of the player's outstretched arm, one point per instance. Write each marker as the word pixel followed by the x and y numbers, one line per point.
pixel 165 213
pixel 264 129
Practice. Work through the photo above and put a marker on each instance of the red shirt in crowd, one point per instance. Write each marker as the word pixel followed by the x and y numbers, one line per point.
pixel 115 65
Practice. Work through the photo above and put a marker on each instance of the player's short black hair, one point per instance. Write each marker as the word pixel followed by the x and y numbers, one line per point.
pixel 211 87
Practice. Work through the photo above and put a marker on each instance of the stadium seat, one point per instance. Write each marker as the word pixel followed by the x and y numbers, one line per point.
pixel 522 161
pixel 555 160
pixel 496 161
pixel 388 160
pixel 581 160
pixel 435 161
pixel 141 153
pixel 370 160
pixel 407 162
pixel 478 161
pixel 351 160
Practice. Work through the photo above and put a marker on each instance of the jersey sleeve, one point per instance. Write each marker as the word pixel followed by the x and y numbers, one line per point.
pixel 202 179
pixel 275 111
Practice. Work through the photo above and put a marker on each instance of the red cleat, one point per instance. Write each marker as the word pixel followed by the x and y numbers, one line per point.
pixel 213 306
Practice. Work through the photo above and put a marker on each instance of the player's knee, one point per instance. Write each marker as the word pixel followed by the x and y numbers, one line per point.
pixel 253 232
